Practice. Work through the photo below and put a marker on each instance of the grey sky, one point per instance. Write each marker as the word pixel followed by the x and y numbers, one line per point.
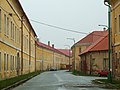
pixel 78 15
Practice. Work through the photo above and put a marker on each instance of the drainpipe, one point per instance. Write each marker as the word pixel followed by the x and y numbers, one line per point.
pixel 29 49
pixel 22 45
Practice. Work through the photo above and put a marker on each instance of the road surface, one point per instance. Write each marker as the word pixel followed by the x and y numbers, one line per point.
pixel 59 80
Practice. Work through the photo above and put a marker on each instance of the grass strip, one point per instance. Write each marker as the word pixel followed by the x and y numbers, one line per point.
pixel 8 82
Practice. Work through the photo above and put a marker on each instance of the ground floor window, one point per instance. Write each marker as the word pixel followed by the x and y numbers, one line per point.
pixel 105 63
pixel 0 61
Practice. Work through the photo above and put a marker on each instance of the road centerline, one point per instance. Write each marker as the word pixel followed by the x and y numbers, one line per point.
pixel 58 78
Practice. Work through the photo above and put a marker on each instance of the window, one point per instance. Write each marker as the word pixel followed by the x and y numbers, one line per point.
pixel 115 27
pixel 15 33
pixel 79 50
pixel 18 36
pixel 119 22
pixel 0 61
pixel 7 26
pixel 0 19
pixel 5 62
pixel 11 30
pixel 11 62
pixel 4 24
pixel 15 62
pixel 105 63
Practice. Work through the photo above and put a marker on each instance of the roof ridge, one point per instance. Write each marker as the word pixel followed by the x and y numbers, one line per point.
pixel 98 41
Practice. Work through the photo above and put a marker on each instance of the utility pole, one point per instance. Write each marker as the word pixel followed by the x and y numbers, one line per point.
pixel 74 52
pixel 109 38
pixel 69 55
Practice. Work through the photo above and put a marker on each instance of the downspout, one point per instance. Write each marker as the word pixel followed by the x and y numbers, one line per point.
pixel 35 53
pixel 29 49
pixel 21 45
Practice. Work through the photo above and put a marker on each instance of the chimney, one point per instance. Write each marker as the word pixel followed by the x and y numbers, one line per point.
pixel 48 43
pixel 104 29
pixel 52 45
pixel 38 39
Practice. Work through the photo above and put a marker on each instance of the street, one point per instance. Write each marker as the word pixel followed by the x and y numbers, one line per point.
pixel 59 80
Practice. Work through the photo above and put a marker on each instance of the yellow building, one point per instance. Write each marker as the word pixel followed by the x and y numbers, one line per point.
pixel 95 57
pixel 81 45
pixel 48 57
pixel 17 40
pixel 115 11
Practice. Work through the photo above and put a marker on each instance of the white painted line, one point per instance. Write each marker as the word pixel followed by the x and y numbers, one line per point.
pixel 60 88
pixel 58 78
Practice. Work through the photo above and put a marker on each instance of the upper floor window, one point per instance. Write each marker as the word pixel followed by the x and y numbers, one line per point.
pixel 7 26
pixel 115 25
pixel 79 50
pixel 0 61
pixel 4 24
pixel 15 33
pixel 11 30
pixel 0 20
pixel 119 22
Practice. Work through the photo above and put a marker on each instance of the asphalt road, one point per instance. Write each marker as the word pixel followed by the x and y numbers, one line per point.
pixel 59 80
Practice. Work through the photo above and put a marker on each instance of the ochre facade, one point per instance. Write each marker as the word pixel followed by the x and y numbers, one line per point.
pixel 115 20
pixel 17 40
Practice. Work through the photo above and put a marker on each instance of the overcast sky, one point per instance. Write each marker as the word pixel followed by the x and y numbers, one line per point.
pixel 78 15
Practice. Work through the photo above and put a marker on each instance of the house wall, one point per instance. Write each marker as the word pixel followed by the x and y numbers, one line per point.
pixel 78 49
pixel 116 37
pixel 94 61
pixel 15 60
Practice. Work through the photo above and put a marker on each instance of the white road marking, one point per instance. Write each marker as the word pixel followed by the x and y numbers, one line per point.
pixel 60 88
pixel 58 78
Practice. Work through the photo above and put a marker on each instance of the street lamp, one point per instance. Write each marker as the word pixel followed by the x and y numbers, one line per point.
pixel 74 51
pixel 107 3
pixel 69 55
pixel 103 25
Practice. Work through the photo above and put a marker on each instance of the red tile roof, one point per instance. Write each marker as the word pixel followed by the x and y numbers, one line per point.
pixel 65 51
pixel 92 37
pixel 100 45
pixel 50 48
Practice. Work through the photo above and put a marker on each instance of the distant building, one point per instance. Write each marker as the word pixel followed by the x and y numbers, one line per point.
pixel 49 57
pixel 115 11
pixel 68 54
pixel 95 57
pixel 83 44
